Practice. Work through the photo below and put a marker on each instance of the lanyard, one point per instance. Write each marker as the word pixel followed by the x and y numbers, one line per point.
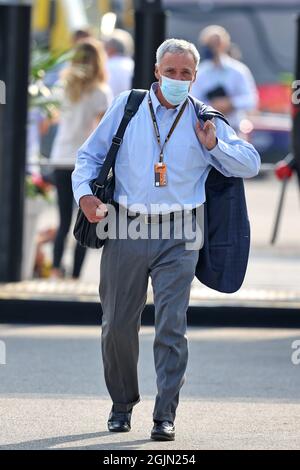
pixel 156 129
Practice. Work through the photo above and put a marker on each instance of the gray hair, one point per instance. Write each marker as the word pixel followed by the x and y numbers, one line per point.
pixel 121 41
pixel 177 46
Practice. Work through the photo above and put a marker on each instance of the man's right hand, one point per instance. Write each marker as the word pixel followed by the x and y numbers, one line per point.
pixel 94 209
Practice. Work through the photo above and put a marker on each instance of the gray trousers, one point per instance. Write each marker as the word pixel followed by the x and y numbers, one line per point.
pixel 126 265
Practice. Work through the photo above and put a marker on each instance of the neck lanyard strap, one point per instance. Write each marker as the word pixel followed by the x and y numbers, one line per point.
pixel 156 129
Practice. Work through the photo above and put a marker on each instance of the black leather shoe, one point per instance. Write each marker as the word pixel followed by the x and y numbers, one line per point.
pixel 163 431
pixel 119 421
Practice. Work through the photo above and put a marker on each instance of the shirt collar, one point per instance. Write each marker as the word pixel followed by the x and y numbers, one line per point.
pixel 154 99
pixel 224 62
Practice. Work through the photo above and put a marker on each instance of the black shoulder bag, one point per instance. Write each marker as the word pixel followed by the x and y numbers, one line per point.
pixel 103 186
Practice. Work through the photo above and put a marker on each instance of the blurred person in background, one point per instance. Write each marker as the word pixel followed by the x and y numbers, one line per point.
pixel 53 75
pixel 223 81
pixel 52 79
pixel 120 65
pixel 86 97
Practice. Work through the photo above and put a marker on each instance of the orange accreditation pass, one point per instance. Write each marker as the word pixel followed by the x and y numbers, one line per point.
pixel 160 173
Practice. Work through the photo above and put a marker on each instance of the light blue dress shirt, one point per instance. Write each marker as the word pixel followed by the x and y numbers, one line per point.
pixel 237 81
pixel 188 162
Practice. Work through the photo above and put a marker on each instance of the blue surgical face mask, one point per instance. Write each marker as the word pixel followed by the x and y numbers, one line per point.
pixel 207 53
pixel 174 91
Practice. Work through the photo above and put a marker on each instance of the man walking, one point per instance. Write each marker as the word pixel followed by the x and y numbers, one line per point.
pixel 222 81
pixel 163 162
pixel 120 65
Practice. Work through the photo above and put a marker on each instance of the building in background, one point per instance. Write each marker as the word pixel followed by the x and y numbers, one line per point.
pixel 54 21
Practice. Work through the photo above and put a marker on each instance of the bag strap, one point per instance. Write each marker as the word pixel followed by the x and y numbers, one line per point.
pixel 133 103
pixel 205 112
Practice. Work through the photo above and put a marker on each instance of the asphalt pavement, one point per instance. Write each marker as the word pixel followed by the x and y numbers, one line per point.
pixel 242 391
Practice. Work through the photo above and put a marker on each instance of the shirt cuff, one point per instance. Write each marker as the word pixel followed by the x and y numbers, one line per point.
pixel 83 190
pixel 217 151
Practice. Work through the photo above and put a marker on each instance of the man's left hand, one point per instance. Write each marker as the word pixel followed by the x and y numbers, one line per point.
pixel 207 134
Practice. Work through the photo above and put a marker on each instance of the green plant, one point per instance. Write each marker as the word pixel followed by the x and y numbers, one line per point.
pixel 40 95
